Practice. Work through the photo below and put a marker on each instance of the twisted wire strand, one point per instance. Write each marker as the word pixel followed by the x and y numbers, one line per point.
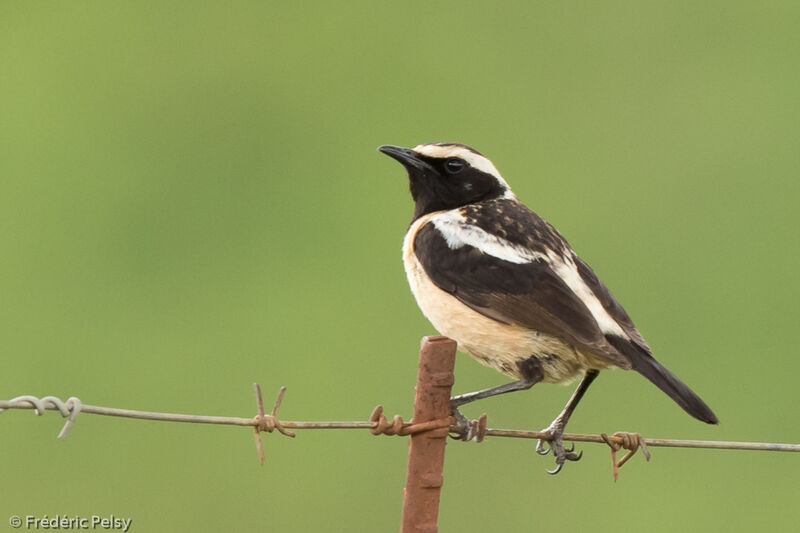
pixel 71 410
pixel 627 441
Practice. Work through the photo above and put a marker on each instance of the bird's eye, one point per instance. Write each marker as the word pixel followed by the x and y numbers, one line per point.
pixel 454 165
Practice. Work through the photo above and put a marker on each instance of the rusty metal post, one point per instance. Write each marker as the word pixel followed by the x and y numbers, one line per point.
pixel 424 479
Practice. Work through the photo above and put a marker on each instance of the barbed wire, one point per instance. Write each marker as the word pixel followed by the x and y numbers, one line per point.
pixel 377 424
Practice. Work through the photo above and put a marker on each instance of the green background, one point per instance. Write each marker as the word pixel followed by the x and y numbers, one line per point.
pixel 191 201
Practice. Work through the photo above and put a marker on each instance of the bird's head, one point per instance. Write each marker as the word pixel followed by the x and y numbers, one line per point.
pixel 446 176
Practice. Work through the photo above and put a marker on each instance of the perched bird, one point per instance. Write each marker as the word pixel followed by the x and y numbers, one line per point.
pixel 507 287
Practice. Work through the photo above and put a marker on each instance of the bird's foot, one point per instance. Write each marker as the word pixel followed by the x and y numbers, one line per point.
pixel 556 445
pixel 466 429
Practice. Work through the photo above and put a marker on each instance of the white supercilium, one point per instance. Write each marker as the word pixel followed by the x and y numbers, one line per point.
pixel 474 160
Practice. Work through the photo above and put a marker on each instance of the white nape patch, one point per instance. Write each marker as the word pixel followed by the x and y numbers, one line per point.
pixel 475 161
pixel 454 228
pixel 566 269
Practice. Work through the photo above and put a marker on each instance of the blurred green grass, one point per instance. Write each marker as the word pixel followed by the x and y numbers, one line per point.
pixel 190 201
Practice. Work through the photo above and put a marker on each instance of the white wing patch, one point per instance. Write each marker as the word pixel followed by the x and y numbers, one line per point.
pixel 568 272
pixel 458 233
pixel 455 230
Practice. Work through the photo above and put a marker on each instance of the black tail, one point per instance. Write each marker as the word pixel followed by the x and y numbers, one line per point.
pixel 646 365
pixel 675 388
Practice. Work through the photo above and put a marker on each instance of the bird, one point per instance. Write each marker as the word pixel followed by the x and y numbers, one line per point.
pixel 501 281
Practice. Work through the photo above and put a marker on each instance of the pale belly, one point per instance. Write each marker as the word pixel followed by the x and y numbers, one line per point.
pixel 500 346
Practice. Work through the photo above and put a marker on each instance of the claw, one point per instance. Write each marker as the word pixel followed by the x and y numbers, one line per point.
pixel 462 426
pixel 556 470
pixel 560 452
pixel 540 449
pixel 466 429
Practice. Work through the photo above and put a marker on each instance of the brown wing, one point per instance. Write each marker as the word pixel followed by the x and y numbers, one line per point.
pixel 528 294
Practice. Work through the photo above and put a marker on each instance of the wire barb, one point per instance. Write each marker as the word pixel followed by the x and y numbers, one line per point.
pixel 470 429
pixel 627 441
pixel 69 409
pixel 382 426
pixel 267 422
pixel 479 427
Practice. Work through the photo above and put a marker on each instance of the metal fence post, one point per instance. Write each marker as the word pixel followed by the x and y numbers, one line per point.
pixel 426 450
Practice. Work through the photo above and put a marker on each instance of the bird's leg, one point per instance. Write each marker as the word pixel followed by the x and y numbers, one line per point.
pixel 556 428
pixel 462 429
pixel 531 371
pixel 469 397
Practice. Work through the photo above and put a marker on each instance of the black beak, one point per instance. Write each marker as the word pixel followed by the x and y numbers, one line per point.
pixel 408 158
